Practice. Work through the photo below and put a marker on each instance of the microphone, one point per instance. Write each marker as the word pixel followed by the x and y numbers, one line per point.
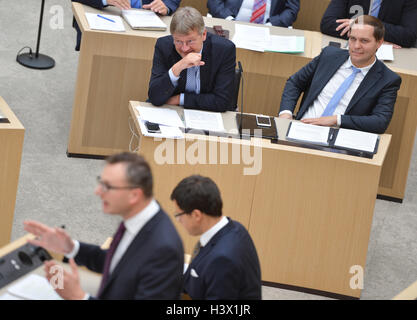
pixel 241 100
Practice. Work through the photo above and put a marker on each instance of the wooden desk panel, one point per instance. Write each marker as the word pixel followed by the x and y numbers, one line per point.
pixel 11 144
pixel 310 14
pixel 309 212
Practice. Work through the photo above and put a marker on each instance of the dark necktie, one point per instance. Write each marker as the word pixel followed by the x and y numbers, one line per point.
pixel 196 250
pixel 136 3
pixel 109 255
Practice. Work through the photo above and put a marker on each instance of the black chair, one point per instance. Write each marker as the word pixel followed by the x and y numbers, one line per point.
pixel 236 86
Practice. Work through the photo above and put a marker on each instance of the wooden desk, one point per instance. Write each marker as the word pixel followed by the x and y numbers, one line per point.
pixel 115 68
pixel 309 212
pixel 90 281
pixel 310 14
pixel 11 144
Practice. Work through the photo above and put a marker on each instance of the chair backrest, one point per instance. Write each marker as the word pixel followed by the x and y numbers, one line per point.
pixel 236 87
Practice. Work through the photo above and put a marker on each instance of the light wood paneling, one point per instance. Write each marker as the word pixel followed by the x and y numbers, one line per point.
pixel 11 144
pixel 310 14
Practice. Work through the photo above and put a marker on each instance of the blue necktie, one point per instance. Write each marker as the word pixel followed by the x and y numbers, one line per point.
pixel 334 101
pixel 193 80
pixel 376 5
pixel 136 3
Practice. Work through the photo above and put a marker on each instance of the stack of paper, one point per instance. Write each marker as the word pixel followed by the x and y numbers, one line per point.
pixel 250 37
pixel 308 133
pixel 104 22
pixel 286 44
pixel 356 140
pixel 168 120
pixel 204 120
pixel 143 20
pixel 385 52
pixel 32 287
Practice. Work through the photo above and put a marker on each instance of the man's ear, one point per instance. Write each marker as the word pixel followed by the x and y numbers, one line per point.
pixel 136 195
pixel 197 214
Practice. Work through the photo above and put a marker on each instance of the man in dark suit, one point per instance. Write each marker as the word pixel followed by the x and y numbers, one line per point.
pixel 191 67
pixel 399 18
pixel 280 13
pixel 162 7
pixel 145 259
pixel 225 264
pixel 351 89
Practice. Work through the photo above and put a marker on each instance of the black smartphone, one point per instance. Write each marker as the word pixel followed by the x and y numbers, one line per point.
pixel 152 127
pixel 263 121
pixel 334 44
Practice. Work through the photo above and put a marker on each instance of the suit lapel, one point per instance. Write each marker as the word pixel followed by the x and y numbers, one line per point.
pixel 325 74
pixel 174 58
pixel 134 247
pixel 205 70
pixel 372 77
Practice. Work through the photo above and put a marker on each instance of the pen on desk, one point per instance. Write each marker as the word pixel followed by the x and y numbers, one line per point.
pixel 100 16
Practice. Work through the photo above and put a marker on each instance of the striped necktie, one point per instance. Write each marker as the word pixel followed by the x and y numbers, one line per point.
pixel 136 3
pixel 334 101
pixel 376 5
pixel 258 11
pixel 193 76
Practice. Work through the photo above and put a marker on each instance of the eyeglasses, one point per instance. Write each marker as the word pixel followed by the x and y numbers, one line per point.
pixel 188 43
pixel 180 214
pixel 107 187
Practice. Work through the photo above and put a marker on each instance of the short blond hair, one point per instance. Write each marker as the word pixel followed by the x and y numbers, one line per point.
pixel 185 20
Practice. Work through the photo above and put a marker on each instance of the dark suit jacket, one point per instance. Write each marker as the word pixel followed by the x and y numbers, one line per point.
pixel 399 18
pixel 151 268
pixel 372 104
pixel 171 4
pixel 227 267
pixel 216 76
pixel 283 12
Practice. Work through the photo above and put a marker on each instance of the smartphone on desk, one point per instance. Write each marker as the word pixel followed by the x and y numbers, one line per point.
pixel 152 127
pixel 263 121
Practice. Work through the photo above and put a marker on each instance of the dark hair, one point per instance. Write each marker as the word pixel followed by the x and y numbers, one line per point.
pixel 379 29
pixel 138 171
pixel 197 192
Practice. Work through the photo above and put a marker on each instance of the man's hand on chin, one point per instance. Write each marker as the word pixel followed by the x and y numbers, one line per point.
pixel 322 121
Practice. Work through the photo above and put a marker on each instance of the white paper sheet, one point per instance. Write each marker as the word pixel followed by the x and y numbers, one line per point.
pixel 161 116
pixel 101 22
pixel 358 140
pixel 309 133
pixel 143 19
pixel 34 287
pixel 290 44
pixel 385 52
pixel 251 38
pixel 204 120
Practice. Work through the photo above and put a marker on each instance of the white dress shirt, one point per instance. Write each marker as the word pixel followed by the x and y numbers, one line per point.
pixel 323 99
pixel 133 226
pixel 206 236
pixel 245 11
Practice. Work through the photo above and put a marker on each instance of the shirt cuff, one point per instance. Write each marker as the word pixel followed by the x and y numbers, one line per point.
pixel 269 24
pixel 104 2
pixel 285 112
pixel 339 120
pixel 86 297
pixel 181 99
pixel 74 251
pixel 230 18
pixel 174 79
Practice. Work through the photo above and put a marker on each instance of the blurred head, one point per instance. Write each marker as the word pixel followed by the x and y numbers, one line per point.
pixel 187 29
pixel 197 201
pixel 125 185
pixel 366 35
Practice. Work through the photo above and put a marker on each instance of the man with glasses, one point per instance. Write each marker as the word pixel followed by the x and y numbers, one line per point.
pixel 145 259
pixel 224 263
pixel 193 68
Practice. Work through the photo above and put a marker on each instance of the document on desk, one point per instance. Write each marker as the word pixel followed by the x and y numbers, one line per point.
pixel 204 120
pixel 251 38
pixel 286 44
pixel 385 52
pixel 309 133
pixel 143 20
pixel 105 22
pixel 33 287
pixel 356 140
pixel 161 116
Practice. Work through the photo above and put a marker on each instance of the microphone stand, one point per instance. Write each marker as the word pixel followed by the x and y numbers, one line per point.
pixel 37 61
pixel 241 100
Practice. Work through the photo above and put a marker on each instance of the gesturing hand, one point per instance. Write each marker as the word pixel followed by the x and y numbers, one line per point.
pixel 54 239
pixel 157 6
pixel 121 4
